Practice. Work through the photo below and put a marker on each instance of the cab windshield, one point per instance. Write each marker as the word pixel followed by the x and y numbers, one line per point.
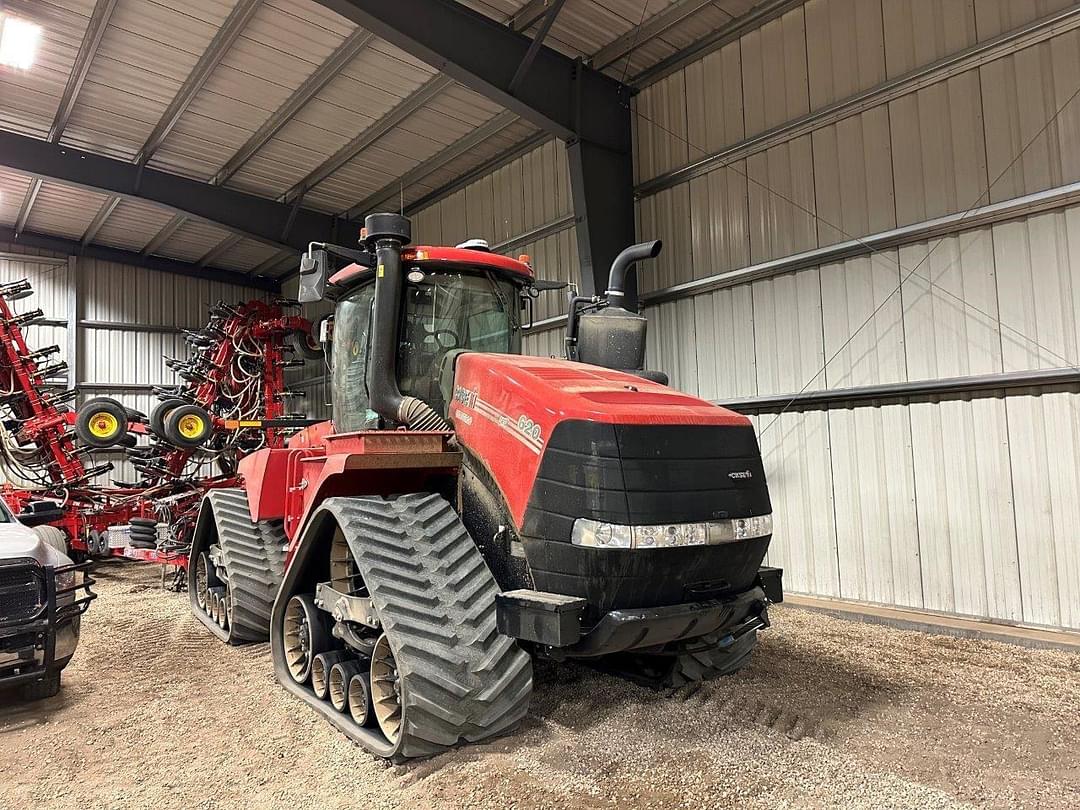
pixel 442 312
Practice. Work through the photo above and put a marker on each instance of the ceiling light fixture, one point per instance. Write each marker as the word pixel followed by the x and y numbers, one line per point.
pixel 18 42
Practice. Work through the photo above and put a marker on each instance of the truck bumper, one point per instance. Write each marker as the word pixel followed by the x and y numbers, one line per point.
pixel 554 621
pixel 38 641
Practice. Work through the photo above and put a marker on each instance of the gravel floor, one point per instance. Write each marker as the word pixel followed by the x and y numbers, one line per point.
pixel 830 713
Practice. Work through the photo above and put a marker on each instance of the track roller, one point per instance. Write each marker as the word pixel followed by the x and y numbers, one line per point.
pixel 360 709
pixel 243 558
pixel 341 675
pixel 320 671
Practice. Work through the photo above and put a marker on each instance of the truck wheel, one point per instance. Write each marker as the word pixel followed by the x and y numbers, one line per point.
pixel 101 422
pixel 52 536
pixel 45 688
pixel 188 426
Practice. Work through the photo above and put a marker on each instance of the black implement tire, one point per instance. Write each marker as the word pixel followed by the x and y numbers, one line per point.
pixel 160 411
pixel 188 427
pixel 704 659
pixel 143 544
pixel 101 422
pixel 141 521
pixel 44 688
pixel 306 345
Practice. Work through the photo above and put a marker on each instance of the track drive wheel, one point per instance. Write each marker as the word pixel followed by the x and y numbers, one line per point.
pixel 440 674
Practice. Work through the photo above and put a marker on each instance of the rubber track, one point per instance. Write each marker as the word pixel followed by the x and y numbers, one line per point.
pixel 435 596
pixel 253 555
pixel 711 662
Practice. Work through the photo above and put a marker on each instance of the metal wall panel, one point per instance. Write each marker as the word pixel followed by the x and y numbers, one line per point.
pixel 775 85
pixel 965 508
pixel 714 100
pixel 782 200
pixel 995 17
pixel 853 177
pixel 845 49
pixel 918 32
pixel 877 533
pixel 1020 94
pixel 1044 435
pixel 795 449
pixel 788 337
pixel 1039 290
pixel 938 149
pixel 719 222
pixel 950 304
pixel 874 353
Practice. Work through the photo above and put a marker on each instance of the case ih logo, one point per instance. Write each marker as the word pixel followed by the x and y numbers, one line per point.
pixel 466 396
pixel 738 474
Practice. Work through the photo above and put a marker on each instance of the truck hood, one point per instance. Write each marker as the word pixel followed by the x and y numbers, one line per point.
pixel 19 542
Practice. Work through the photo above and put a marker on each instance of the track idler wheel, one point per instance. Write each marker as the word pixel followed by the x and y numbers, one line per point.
pixel 305 636
pixel 386 689
pixel 203 568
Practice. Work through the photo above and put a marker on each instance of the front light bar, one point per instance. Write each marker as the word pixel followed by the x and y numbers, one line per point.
pixel 596 534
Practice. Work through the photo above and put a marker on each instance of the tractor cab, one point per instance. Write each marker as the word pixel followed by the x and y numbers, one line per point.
pixel 453 300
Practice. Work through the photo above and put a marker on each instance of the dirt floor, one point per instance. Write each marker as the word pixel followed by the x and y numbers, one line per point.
pixel 156 713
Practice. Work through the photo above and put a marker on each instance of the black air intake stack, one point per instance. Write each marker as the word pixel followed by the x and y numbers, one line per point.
pixel 387 234
pixel 614 337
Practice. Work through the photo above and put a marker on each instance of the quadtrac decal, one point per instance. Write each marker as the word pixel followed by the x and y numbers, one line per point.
pixel 523 428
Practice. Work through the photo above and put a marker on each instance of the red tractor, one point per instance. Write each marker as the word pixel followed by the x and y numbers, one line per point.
pixel 468 507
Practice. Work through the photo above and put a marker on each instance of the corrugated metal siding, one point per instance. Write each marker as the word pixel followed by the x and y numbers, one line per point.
pixel 64 210
pixel 146 53
pixel 279 48
pixel 31 97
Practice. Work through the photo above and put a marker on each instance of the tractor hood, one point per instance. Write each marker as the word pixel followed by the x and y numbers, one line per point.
pixel 586 438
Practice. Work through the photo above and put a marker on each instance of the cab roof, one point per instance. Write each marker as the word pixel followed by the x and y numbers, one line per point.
pixel 426 256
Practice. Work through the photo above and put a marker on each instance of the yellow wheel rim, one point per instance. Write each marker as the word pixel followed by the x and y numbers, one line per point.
pixel 104 425
pixel 190 426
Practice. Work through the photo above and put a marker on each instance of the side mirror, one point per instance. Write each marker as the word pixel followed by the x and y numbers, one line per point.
pixel 313 271
pixel 543 285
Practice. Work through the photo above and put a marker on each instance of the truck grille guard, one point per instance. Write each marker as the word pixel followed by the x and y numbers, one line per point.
pixel 43 580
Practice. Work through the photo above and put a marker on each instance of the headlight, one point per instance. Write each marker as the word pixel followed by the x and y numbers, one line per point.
pixel 596 534
pixel 64 580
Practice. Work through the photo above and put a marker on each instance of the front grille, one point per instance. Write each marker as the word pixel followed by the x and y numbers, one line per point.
pixel 645 475
pixel 22 592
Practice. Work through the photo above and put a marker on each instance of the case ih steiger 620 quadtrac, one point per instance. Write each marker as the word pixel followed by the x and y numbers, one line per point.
pixel 468 507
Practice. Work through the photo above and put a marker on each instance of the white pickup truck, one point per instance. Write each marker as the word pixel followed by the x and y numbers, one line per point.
pixel 43 595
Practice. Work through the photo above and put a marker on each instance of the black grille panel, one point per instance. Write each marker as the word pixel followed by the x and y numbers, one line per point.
pixel 22 592
pixel 645 474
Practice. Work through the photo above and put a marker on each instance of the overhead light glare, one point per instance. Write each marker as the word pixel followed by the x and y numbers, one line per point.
pixel 19 41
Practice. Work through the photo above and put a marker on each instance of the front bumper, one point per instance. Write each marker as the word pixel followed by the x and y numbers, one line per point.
pixel 555 621
pixel 34 643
